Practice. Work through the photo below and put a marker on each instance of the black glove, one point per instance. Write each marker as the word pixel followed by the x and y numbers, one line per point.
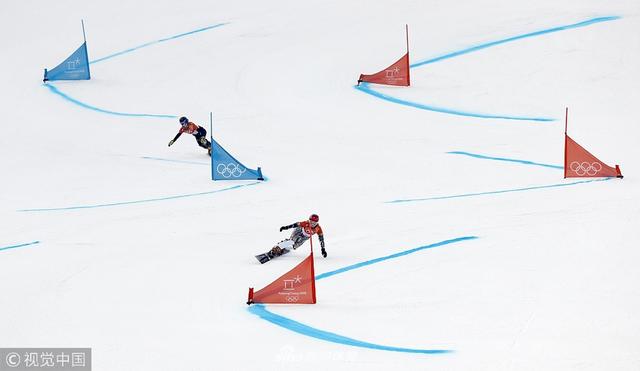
pixel 324 252
pixel 282 228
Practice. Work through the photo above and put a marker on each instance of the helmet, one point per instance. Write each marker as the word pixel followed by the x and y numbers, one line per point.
pixel 184 120
pixel 314 218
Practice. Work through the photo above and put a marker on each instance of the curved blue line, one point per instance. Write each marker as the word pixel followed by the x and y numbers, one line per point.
pixel 55 90
pixel 495 192
pixel 364 87
pixel 179 161
pixel 21 245
pixel 514 38
pixel 156 42
pixel 140 201
pixel 262 312
pixel 289 324
pixel 392 256
pixel 505 159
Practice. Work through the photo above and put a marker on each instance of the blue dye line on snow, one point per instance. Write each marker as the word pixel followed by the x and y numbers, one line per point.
pixel 392 256
pixel 289 324
pixel 514 38
pixel 55 90
pixel 261 311
pixel 496 192
pixel 156 42
pixel 364 87
pixel 21 245
pixel 505 159
pixel 179 161
pixel 139 201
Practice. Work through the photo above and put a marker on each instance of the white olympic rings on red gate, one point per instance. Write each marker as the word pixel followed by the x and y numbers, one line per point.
pixel 585 168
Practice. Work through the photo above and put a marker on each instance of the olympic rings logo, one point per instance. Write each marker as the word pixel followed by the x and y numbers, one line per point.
pixel 230 170
pixel 585 168
pixel 292 299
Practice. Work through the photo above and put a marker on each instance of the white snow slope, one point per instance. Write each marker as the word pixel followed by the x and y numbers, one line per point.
pixel 151 281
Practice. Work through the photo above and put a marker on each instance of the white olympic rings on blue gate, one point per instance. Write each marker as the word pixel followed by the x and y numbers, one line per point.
pixel 230 170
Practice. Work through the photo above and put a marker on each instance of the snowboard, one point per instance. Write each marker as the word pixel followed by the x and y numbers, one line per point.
pixel 285 245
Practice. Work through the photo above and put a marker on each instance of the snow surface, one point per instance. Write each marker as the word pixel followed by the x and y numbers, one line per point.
pixel 147 261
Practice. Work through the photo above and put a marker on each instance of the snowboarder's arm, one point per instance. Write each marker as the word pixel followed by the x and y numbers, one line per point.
pixel 175 138
pixel 294 225
pixel 321 238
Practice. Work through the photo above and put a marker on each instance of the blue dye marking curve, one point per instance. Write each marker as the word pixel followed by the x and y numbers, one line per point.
pixel 139 201
pixel 156 42
pixel 366 89
pixel 21 245
pixel 262 312
pixel 289 324
pixel 514 38
pixel 496 192
pixel 392 256
pixel 475 155
pixel 57 91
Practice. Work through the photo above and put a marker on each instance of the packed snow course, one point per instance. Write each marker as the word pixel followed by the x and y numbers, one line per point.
pixel 295 326
pixel 453 241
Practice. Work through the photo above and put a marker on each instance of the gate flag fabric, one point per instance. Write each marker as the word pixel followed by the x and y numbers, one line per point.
pixel 298 286
pixel 226 167
pixel 76 67
pixel 396 74
pixel 579 163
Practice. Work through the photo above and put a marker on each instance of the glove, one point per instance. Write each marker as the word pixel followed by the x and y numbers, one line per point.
pixel 171 142
pixel 282 228
pixel 324 252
